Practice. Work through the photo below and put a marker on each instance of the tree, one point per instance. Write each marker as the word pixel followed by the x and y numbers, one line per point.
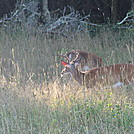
pixel 114 11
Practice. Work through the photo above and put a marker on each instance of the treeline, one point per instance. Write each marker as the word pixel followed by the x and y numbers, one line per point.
pixel 99 11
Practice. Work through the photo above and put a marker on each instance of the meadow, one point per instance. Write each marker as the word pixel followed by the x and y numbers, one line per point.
pixel 35 100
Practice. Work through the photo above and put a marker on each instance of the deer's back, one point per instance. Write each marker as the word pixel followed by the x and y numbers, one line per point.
pixel 115 73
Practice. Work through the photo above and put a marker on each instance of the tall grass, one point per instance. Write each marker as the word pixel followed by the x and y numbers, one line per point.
pixel 34 100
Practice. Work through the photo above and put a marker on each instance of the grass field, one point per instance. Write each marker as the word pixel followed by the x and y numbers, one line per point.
pixel 34 100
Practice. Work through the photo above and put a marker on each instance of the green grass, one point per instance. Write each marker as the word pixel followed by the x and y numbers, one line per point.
pixel 33 99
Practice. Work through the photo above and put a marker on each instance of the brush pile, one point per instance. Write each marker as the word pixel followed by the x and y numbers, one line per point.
pixel 29 17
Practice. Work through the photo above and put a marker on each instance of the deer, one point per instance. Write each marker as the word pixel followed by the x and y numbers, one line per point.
pixel 114 75
pixel 86 60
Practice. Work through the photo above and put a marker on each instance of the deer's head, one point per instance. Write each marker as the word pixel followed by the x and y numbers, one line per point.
pixel 70 67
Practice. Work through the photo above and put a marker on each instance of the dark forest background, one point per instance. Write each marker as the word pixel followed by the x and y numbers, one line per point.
pixel 100 11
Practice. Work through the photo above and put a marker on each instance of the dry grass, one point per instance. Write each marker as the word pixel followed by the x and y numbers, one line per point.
pixel 33 99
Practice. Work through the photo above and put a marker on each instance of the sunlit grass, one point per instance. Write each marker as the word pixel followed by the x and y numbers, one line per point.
pixel 55 108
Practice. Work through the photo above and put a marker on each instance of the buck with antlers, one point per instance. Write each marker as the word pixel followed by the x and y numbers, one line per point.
pixel 101 76
pixel 86 60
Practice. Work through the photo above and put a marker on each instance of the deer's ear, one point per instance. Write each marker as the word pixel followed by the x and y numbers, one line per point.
pixel 65 64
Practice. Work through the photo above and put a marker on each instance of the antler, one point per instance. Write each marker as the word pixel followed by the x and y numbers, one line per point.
pixel 64 57
pixel 77 55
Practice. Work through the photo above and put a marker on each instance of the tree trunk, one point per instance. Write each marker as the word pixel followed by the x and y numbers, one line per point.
pixel 114 11
pixel 132 5
pixel 43 10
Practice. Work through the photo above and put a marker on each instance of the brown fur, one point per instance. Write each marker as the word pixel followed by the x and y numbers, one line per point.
pixel 86 59
pixel 110 74
pixel 101 76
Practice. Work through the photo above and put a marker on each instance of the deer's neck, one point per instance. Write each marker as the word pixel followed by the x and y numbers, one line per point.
pixel 78 76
